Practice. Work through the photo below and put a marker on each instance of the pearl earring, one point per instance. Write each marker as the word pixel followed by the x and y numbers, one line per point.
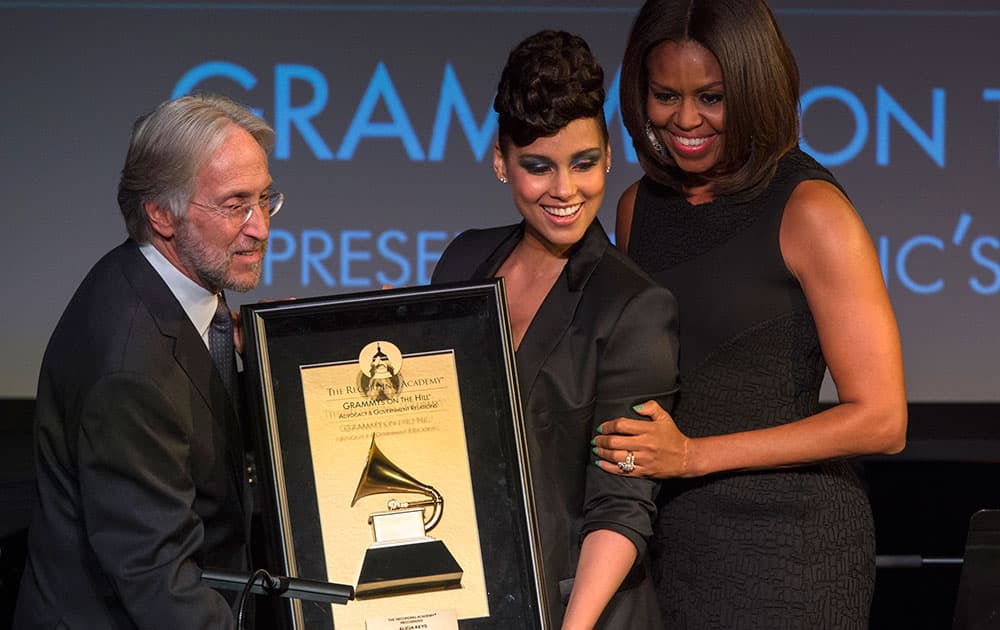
pixel 503 180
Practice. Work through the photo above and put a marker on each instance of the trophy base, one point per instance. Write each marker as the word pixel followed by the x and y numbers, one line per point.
pixel 407 568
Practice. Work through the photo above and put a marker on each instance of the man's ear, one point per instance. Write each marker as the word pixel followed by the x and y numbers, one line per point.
pixel 161 220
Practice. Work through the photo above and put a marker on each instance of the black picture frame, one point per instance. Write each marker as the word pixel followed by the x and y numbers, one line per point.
pixel 468 318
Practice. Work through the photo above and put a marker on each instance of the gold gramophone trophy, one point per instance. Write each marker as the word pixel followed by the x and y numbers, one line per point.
pixel 403 558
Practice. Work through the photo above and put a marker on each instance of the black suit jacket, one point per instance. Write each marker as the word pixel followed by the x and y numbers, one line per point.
pixel 604 339
pixel 139 464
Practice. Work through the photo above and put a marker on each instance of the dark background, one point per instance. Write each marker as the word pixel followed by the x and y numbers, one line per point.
pixel 903 104
pixel 922 501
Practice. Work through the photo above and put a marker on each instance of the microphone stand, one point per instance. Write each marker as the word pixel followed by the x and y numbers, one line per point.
pixel 263 583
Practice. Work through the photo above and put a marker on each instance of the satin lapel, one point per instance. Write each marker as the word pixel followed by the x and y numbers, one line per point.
pixel 189 351
pixel 558 310
pixel 508 241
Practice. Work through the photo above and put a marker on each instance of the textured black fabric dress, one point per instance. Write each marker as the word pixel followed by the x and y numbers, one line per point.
pixel 786 548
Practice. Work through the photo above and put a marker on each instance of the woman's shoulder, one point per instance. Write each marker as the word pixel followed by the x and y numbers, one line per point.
pixel 619 279
pixel 476 237
pixel 797 166
pixel 467 250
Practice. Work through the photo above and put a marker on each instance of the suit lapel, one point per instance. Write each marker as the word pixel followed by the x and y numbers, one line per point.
pixel 189 352
pixel 557 311
pixel 509 239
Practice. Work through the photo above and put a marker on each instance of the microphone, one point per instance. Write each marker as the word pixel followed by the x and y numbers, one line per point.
pixel 263 583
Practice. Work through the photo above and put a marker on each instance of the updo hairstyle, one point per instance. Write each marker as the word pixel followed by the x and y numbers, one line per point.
pixel 550 80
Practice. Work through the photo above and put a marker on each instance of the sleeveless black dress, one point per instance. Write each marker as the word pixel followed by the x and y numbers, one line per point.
pixel 785 548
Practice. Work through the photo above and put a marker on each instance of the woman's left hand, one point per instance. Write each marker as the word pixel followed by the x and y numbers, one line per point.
pixel 659 450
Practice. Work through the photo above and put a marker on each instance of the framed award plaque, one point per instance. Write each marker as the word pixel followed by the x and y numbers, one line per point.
pixel 390 457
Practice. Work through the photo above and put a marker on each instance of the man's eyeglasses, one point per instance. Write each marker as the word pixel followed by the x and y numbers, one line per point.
pixel 269 204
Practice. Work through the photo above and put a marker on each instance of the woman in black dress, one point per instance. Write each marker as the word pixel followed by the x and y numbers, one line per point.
pixel 586 347
pixel 763 523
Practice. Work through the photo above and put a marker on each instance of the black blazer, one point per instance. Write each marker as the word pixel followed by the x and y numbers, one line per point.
pixel 604 339
pixel 139 464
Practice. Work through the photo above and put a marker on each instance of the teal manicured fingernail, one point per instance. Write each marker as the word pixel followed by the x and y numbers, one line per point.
pixel 600 428
pixel 594 450
pixel 593 442
pixel 597 463
pixel 637 407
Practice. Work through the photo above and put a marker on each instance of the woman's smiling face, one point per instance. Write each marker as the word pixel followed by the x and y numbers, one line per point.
pixel 685 103
pixel 558 182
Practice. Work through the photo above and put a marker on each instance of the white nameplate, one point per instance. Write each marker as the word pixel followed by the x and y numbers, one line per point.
pixel 434 620
pixel 399 525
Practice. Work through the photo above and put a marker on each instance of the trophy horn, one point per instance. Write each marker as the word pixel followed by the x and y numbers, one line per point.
pixel 381 476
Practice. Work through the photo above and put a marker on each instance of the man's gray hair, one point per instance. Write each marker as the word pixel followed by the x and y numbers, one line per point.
pixel 169 146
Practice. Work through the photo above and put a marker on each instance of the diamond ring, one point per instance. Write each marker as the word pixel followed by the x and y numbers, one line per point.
pixel 628 465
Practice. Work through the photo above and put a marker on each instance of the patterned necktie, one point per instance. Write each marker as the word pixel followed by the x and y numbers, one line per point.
pixel 220 343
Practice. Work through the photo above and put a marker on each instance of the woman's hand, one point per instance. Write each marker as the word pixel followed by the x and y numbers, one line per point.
pixel 659 450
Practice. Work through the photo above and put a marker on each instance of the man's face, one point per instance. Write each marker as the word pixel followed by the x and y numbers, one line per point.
pixel 214 250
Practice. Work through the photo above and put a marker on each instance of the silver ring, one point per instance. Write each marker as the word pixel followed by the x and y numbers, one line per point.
pixel 628 465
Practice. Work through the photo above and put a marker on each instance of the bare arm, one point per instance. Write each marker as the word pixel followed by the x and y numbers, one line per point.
pixel 623 220
pixel 605 559
pixel 827 248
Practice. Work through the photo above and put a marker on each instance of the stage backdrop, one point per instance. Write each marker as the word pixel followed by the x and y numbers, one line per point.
pixel 385 131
